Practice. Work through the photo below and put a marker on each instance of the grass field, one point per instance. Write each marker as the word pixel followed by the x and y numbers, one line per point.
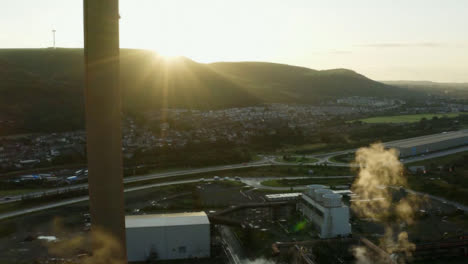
pixel 451 185
pixel 344 158
pixel 297 160
pixel 440 160
pixel 406 118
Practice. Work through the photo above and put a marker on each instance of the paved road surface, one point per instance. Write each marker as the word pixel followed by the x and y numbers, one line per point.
pixel 84 198
pixel 257 182
pixel 249 181
pixel 265 161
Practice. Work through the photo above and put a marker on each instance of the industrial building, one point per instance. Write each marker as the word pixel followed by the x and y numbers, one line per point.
pixel 167 236
pixel 325 210
pixel 430 143
pixel 282 197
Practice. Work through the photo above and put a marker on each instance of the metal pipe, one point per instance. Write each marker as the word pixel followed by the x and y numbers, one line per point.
pixel 103 122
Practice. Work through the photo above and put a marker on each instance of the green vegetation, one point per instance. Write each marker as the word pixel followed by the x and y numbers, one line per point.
pixel 340 134
pixel 200 154
pixel 445 177
pixel 295 159
pixel 54 78
pixel 307 148
pixel 447 90
pixel 302 182
pixel 344 158
pixel 406 118
pixel 445 160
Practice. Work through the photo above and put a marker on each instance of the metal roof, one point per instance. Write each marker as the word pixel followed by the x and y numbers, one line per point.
pixel 416 141
pixel 161 220
pixel 282 195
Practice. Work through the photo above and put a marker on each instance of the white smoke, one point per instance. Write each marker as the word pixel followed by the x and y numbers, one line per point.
pixel 380 169
pixel 362 255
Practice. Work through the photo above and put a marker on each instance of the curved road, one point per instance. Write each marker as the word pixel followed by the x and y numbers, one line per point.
pixel 133 189
pixel 265 161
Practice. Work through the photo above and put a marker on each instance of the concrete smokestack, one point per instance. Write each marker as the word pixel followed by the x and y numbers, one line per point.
pixel 103 115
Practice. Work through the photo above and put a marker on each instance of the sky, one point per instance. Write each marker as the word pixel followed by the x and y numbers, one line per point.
pixel 382 39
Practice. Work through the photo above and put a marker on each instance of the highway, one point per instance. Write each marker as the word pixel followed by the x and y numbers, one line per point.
pixel 265 161
pixel 260 163
pixel 85 198
pixel 249 181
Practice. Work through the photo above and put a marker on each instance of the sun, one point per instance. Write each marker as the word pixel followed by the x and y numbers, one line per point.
pixel 168 53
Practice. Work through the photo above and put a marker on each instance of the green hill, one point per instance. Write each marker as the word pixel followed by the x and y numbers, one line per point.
pixel 448 90
pixel 285 83
pixel 42 89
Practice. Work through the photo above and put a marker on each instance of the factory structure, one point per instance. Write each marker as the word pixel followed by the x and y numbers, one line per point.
pixel 430 143
pixel 324 208
pixel 188 235
pixel 167 236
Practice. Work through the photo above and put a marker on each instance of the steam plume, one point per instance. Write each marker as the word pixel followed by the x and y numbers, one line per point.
pixel 380 169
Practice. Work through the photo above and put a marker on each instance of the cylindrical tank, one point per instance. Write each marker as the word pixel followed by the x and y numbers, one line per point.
pixel 318 194
pixel 332 200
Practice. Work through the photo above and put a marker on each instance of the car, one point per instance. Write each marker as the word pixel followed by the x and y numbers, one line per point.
pixel 237 178
pixel 202 179
pixel 216 178
pixel 227 178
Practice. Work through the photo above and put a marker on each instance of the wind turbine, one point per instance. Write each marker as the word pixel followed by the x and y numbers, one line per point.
pixel 53 37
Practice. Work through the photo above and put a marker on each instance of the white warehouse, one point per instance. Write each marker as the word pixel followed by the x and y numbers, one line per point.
pixel 325 210
pixel 167 236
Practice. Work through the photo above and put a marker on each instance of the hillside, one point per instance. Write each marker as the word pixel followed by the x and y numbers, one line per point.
pixel 42 89
pixel 449 90
pixel 284 83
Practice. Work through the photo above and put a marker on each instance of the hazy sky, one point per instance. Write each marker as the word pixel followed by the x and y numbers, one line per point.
pixel 382 39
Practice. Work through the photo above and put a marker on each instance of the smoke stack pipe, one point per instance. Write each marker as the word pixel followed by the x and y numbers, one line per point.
pixel 103 114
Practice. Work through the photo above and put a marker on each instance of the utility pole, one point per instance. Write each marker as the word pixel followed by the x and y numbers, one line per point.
pixel 103 128
pixel 53 37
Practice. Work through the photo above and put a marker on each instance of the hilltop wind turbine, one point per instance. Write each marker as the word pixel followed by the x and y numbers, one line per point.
pixel 53 37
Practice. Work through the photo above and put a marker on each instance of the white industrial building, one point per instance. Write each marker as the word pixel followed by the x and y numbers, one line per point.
pixel 430 143
pixel 168 236
pixel 326 211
